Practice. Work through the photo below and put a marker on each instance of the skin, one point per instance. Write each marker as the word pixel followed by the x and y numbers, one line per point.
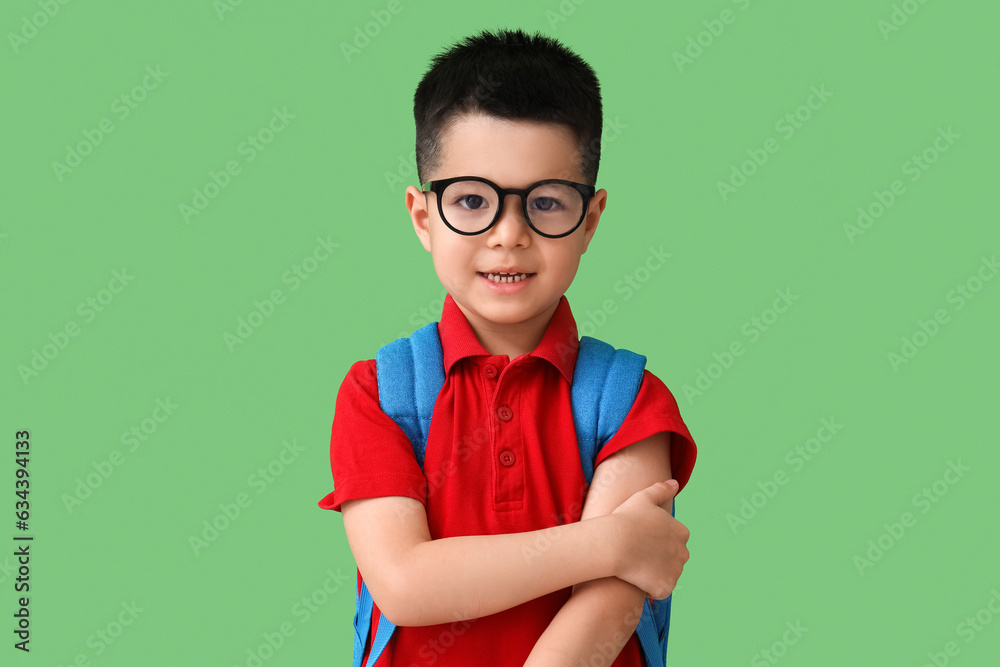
pixel 513 155
pixel 626 545
pixel 605 612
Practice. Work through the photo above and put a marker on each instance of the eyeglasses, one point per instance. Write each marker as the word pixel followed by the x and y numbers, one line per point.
pixel 470 205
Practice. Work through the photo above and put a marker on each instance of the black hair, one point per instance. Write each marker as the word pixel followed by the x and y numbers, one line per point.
pixel 515 76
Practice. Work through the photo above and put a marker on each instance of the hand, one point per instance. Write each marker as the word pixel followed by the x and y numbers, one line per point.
pixel 651 544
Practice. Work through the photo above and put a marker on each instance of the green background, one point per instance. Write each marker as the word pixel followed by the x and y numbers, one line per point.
pixel 337 171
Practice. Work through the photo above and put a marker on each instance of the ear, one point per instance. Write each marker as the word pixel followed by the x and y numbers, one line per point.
pixel 416 204
pixel 594 211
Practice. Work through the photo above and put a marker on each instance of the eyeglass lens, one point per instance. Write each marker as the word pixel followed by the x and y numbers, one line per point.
pixel 470 206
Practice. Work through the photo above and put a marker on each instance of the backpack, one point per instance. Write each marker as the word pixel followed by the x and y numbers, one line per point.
pixel 410 375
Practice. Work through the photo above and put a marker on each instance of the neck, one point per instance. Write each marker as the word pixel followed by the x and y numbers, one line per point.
pixel 513 340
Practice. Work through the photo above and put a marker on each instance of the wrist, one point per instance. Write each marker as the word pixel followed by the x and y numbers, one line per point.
pixel 613 553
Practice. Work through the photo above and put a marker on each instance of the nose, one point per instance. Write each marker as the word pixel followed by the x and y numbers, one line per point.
pixel 511 229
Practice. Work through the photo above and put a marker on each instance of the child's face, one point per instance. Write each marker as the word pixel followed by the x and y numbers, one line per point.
pixel 512 154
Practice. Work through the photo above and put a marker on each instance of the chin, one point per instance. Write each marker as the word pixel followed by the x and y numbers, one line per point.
pixel 512 314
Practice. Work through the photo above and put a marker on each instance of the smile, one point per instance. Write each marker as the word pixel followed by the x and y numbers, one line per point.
pixel 506 277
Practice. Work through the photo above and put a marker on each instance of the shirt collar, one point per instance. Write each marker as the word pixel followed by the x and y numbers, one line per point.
pixel 558 346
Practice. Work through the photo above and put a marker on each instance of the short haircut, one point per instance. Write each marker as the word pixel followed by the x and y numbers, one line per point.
pixel 515 76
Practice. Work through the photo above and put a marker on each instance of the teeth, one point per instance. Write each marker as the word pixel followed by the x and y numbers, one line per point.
pixel 506 277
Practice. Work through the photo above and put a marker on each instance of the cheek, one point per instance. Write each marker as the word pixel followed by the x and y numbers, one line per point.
pixel 438 241
pixel 571 269
pixel 451 259
pixel 565 266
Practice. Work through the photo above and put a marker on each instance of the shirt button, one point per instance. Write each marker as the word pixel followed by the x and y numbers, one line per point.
pixel 505 413
pixel 507 458
pixel 490 371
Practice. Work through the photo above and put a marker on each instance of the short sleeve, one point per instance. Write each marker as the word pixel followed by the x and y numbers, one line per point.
pixel 655 410
pixel 370 456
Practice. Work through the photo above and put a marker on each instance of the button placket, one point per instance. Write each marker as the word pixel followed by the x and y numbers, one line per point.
pixel 509 471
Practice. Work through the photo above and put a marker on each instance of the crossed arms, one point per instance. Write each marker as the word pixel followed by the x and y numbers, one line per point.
pixel 625 547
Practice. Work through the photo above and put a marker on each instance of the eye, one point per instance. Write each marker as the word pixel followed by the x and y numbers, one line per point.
pixel 471 202
pixel 546 204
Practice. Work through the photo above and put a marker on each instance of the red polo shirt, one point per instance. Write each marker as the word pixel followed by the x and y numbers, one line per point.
pixel 502 457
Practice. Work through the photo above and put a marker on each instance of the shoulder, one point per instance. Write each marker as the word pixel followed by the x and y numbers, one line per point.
pixel 655 410
pixel 657 392
pixel 655 402
pixel 362 372
pixel 360 382
pixel 362 377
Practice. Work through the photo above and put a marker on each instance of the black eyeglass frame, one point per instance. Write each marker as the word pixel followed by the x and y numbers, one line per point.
pixel 587 192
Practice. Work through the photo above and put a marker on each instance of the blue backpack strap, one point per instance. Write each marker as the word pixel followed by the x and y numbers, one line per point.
pixel 362 623
pixel 654 627
pixel 653 630
pixel 385 630
pixel 410 375
pixel 597 415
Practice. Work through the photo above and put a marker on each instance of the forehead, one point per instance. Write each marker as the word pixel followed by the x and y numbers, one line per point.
pixel 511 153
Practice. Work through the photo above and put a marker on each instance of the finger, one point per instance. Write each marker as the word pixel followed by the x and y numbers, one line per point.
pixel 662 492
pixel 661 590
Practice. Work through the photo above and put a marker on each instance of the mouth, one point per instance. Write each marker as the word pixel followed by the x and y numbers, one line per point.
pixel 501 278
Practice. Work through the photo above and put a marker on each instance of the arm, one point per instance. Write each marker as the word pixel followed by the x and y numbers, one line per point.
pixel 601 615
pixel 415 580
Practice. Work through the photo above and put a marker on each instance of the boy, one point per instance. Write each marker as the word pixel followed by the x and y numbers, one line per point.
pixel 496 552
